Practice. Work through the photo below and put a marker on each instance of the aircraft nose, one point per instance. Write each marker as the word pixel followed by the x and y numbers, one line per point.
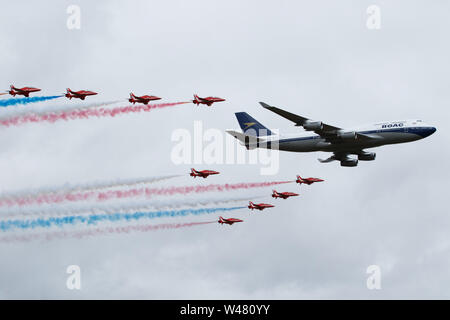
pixel 428 131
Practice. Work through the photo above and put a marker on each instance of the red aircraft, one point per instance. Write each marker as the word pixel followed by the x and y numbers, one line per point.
pixel 259 206
pixel 204 173
pixel 25 91
pixel 307 181
pixel 208 100
pixel 142 99
pixel 283 195
pixel 79 94
pixel 229 221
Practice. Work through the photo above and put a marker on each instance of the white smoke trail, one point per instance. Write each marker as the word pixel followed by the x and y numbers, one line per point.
pixel 91 186
pixel 90 232
pixel 122 207
pixel 48 109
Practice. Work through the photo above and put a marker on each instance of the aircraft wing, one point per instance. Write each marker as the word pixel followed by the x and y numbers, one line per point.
pixel 301 121
pixel 326 131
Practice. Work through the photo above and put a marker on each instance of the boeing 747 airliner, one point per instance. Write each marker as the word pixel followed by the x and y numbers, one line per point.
pixel 342 142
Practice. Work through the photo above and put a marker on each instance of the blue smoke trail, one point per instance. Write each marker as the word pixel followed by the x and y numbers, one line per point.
pixel 95 218
pixel 15 101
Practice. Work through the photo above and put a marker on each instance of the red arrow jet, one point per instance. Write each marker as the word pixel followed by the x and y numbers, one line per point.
pixel 307 181
pixel 283 195
pixel 82 94
pixel 142 99
pixel 208 100
pixel 204 173
pixel 259 206
pixel 229 221
pixel 25 91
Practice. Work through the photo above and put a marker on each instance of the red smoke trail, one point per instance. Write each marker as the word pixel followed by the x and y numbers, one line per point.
pixel 134 192
pixel 99 231
pixel 83 114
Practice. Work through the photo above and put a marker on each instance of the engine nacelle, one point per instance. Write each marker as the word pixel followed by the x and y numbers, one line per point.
pixel 349 163
pixel 313 125
pixel 348 136
pixel 367 156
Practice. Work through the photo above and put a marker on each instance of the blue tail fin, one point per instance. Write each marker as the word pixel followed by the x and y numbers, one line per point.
pixel 251 126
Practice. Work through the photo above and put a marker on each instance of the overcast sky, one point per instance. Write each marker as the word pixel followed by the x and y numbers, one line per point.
pixel 316 59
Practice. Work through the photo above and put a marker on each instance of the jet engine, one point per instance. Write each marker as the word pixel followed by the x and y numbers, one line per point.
pixel 348 136
pixel 349 162
pixel 313 125
pixel 367 156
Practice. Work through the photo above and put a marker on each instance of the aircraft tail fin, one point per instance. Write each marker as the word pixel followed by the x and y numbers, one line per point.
pixel 251 126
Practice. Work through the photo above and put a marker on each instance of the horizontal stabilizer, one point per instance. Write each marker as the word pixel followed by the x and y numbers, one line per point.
pixel 250 142
pixel 332 158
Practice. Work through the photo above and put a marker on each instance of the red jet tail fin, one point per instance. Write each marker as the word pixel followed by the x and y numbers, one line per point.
pixel 68 90
pixel 131 95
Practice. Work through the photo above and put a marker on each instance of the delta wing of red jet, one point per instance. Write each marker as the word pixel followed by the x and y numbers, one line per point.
pixel 229 221
pixel 82 94
pixel 283 195
pixel 203 173
pixel 307 181
pixel 259 206
pixel 25 91
pixel 142 99
pixel 208 100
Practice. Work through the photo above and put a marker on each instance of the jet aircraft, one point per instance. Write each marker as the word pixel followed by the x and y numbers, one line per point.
pixel 259 206
pixel 82 94
pixel 319 136
pixel 25 91
pixel 208 100
pixel 203 173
